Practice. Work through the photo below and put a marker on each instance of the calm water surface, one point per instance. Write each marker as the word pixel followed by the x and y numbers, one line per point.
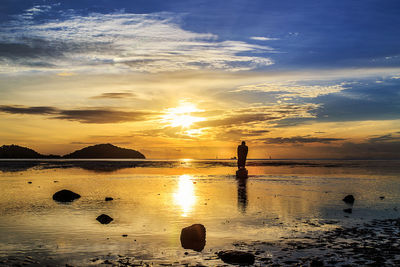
pixel 153 201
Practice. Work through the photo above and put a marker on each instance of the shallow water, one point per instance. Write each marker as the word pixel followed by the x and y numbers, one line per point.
pixel 154 200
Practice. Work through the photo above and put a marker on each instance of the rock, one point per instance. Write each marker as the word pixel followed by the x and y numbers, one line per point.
pixel 194 237
pixel 349 210
pixel 382 197
pixel 316 263
pixel 108 199
pixel 349 199
pixel 65 196
pixel 236 257
pixel 104 219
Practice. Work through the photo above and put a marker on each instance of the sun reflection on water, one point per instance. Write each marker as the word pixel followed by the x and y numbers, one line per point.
pixel 185 196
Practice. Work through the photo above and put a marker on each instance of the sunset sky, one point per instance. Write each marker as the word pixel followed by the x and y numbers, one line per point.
pixel 191 79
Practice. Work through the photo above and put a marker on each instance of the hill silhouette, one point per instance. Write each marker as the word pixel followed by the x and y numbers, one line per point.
pixel 102 151
pixel 20 152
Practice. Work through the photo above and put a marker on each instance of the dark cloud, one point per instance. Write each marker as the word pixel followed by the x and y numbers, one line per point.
pixel 299 140
pixel 101 115
pixel 28 110
pixel 93 115
pixel 31 49
pixel 114 95
pixel 384 138
pixel 41 53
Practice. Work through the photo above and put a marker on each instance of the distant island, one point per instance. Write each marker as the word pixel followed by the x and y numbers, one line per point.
pixel 19 152
pixel 105 151
pixel 91 152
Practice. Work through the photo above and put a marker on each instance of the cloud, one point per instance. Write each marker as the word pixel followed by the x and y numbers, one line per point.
pixel 92 115
pixel 35 49
pixel 121 42
pixel 291 89
pixel 168 132
pixel 117 95
pixel 385 138
pixel 260 38
pixel 101 115
pixel 260 115
pixel 30 13
pixel 235 134
pixel 299 140
pixel 28 110
pixel 236 119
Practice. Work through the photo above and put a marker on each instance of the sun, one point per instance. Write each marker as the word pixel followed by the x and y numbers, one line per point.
pixel 181 115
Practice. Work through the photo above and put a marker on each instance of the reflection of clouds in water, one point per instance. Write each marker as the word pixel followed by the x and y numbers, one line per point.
pixel 184 196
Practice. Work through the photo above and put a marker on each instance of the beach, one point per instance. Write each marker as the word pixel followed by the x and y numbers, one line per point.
pixel 287 213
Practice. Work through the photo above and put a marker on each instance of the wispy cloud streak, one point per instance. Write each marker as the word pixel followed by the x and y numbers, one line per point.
pixel 119 42
pixel 92 115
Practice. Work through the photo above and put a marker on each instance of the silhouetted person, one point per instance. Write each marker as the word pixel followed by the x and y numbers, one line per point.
pixel 242 155
pixel 242 194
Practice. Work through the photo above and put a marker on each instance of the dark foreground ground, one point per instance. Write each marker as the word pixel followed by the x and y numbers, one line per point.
pixel 375 243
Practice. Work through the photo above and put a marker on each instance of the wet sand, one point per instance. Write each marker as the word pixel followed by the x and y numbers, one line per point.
pixel 370 244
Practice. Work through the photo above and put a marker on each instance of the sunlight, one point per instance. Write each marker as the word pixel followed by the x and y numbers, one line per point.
pixel 181 115
pixel 194 132
pixel 185 197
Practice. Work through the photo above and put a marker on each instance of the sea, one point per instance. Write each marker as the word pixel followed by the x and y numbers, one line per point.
pixel 153 200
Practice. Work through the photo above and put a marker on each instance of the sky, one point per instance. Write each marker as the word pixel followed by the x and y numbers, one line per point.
pixel 191 79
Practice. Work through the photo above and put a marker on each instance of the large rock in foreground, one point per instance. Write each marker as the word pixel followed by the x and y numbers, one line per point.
pixel 65 196
pixel 236 257
pixel 104 219
pixel 349 199
pixel 194 237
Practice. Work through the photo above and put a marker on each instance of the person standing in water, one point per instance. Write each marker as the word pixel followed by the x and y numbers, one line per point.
pixel 242 155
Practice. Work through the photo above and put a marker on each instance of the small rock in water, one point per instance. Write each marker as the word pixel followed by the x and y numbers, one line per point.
pixel 316 263
pixel 104 219
pixel 65 196
pixel 236 257
pixel 108 199
pixel 194 237
pixel 349 199
pixel 349 210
